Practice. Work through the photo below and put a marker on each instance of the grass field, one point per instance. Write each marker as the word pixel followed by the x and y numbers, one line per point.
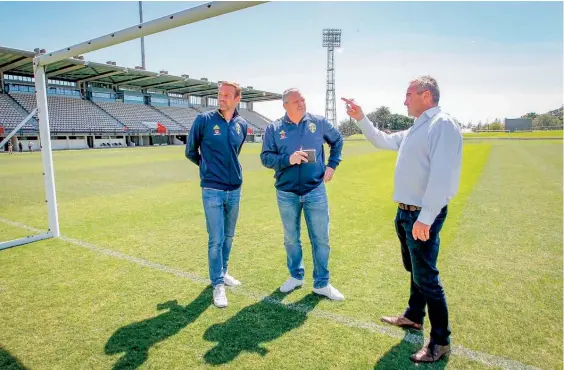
pixel 518 135
pixel 552 134
pixel 126 285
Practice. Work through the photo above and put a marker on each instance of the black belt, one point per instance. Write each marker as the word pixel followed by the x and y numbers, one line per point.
pixel 408 207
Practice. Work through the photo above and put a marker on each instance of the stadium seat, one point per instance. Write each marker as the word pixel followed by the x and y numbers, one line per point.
pixel 68 114
pixel 132 115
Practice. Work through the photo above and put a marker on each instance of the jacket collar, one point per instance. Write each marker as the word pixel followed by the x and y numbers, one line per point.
pixel 235 114
pixel 286 119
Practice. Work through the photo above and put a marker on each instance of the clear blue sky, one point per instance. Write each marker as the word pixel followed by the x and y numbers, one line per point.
pixel 491 59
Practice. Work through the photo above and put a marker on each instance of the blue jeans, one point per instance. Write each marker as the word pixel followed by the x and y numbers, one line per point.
pixel 222 210
pixel 316 212
pixel 420 259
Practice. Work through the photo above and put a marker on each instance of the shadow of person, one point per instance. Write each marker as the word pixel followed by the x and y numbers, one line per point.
pixel 398 356
pixel 260 323
pixel 9 362
pixel 136 339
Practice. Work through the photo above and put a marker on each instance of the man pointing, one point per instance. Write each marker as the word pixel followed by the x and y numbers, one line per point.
pixel 426 177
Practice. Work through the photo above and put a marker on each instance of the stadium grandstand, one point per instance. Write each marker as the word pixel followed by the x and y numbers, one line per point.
pixel 101 105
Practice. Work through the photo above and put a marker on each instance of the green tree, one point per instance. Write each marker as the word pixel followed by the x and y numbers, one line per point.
pixel 496 126
pixel 546 120
pixel 348 127
pixel 531 115
pixel 380 117
pixel 400 122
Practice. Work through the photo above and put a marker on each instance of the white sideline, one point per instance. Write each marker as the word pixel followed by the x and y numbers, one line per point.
pixel 484 358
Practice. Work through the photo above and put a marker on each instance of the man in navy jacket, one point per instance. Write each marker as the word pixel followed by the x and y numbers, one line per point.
pixel 214 144
pixel 293 147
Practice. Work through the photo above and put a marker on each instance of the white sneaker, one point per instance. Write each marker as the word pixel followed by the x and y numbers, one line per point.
pixel 230 280
pixel 330 292
pixel 219 297
pixel 291 284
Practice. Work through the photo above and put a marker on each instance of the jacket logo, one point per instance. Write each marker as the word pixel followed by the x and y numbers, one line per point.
pixel 311 127
pixel 238 128
pixel 216 130
pixel 282 135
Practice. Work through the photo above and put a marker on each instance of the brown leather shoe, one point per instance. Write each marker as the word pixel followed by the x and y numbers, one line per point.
pixel 430 353
pixel 402 322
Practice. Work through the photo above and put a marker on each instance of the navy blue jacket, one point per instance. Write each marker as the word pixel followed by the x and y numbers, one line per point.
pixel 282 138
pixel 214 144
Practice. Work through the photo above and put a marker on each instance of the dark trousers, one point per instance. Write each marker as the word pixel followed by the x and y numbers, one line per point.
pixel 420 259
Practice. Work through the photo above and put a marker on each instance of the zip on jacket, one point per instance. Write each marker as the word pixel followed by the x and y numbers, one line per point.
pixel 282 138
pixel 214 145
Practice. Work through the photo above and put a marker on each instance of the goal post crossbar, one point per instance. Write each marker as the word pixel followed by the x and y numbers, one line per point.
pixel 195 14
pixel 192 15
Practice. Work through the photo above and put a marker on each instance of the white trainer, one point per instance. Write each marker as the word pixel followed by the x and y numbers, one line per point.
pixel 330 292
pixel 219 297
pixel 230 280
pixel 291 284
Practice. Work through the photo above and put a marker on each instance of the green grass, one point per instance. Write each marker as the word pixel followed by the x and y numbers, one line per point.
pixel 553 134
pixel 66 306
pixel 517 135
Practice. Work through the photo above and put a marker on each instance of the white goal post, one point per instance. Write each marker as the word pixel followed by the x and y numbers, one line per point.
pixel 192 15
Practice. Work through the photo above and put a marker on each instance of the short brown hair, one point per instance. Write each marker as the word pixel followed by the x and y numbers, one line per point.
pixel 232 84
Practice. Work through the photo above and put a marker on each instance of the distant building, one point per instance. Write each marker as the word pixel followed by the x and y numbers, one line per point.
pixel 514 124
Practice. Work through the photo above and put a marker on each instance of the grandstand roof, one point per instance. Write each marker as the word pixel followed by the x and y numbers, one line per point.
pixel 20 62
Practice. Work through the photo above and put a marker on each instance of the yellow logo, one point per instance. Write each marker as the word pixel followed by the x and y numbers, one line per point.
pixel 311 127
pixel 238 128
pixel 282 135
pixel 216 130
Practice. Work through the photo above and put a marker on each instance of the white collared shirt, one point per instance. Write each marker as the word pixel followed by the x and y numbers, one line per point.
pixel 429 161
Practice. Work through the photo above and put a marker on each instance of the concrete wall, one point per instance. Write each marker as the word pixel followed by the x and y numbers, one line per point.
pixel 112 141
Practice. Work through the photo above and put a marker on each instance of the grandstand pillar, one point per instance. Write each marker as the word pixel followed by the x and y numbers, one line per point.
pixel 46 152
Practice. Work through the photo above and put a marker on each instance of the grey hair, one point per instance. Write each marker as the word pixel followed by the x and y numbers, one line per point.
pixel 428 83
pixel 288 92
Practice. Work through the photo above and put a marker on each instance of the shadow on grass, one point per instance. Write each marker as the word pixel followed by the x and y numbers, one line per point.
pixel 9 362
pixel 254 325
pixel 398 356
pixel 136 339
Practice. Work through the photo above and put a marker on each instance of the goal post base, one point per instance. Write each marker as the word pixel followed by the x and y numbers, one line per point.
pixel 26 240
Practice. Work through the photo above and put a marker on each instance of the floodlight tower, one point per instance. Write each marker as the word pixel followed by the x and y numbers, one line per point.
pixel 331 39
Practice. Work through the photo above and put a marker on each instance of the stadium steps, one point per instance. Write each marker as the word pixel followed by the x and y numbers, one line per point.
pixel 107 113
pixel 72 115
pixel 255 119
pixel 183 115
pixel 12 113
pixel 133 116
pixel 169 117
pixel 263 117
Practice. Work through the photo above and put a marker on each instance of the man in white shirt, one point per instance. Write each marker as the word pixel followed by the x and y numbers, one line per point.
pixel 426 177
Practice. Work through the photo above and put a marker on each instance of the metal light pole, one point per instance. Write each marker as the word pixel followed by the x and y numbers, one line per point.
pixel 331 39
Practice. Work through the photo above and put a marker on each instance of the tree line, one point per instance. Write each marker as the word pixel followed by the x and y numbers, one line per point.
pixel 382 118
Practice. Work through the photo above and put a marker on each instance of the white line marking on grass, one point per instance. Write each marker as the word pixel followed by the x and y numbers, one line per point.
pixel 484 358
